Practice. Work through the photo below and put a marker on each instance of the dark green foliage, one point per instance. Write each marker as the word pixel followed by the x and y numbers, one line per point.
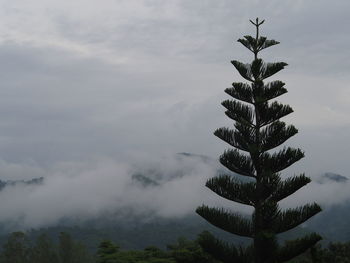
pixel 335 252
pixel 258 130
pixel 233 223
pixel 222 250
pixel 81 254
pixel 296 247
pixel 275 134
pixel 184 251
pixel 238 163
pixel 230 188
pixel 65 248
pixel 257 44
pixel 134 233
pixel 338 252
pixel 71 251
pixel 107 252
pixel 291 218
pixel 288 187
pixel 155 252
pixel 44 251
pixel 16 249
pixel 187 251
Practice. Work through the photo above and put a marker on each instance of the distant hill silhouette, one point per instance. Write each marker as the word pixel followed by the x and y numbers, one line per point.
pixel 34 181
pixel 328 177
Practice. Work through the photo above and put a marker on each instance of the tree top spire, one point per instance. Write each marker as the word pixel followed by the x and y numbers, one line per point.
pixel 257 23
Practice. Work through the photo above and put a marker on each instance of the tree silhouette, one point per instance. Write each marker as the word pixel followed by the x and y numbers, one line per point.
pixel 257 130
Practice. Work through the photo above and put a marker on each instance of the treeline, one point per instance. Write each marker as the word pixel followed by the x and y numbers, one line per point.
pixel 18 248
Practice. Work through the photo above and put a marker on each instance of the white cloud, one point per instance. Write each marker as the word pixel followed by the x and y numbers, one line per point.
pixel 86 190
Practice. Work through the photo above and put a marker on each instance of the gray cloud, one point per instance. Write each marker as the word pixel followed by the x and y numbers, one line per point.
pixel 85 80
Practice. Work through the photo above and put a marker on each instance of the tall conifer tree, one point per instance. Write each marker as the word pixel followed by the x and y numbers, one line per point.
pixel 257 131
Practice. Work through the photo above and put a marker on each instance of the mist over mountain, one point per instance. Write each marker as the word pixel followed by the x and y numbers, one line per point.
pixel 86 190
pixel 332 177
pixel 148 193
pixel 9 183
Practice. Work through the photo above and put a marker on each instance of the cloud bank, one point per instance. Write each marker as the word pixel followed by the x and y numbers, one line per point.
pixel 83 191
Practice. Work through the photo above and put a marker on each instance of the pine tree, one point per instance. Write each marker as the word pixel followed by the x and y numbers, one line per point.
pixel 257 131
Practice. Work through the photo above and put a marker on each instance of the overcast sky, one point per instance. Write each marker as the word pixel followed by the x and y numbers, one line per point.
pixel 89 80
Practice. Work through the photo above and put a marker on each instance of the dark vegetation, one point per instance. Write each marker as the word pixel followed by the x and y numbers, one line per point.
pixel 18 248
pixel 257 132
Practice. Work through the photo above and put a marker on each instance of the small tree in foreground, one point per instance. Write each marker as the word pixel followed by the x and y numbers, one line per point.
pixel 258 130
